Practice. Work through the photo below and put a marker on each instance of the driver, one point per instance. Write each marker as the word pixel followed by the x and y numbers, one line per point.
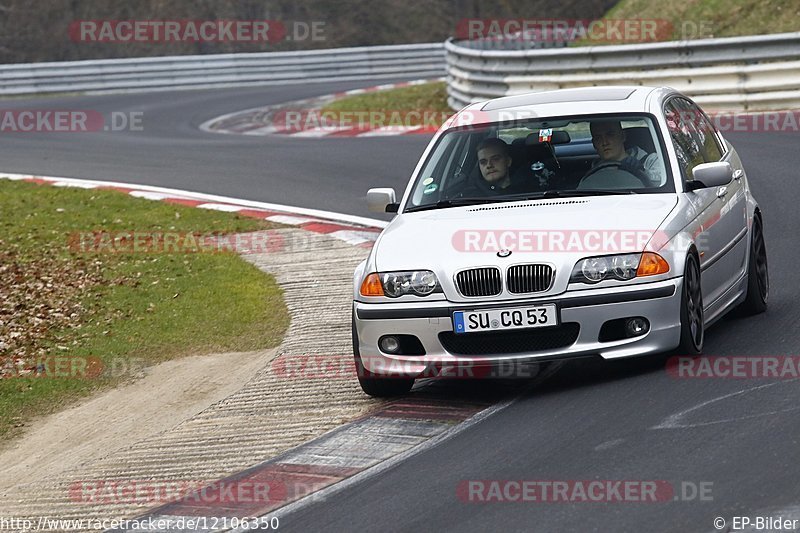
pixel 608 138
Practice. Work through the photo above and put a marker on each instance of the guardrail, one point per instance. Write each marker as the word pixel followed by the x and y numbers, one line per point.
pixel 754 72
pixel 223 70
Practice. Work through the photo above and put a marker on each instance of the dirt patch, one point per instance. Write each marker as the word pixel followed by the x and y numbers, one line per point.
pixel 167 394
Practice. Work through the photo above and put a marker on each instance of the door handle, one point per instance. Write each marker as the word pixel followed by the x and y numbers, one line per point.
pixel 738 173
pixel 722 191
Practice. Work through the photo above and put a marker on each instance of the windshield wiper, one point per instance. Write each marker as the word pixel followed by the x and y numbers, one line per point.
pixel 453 203
pixel 520 197
pixel 594 192
pixel 554 193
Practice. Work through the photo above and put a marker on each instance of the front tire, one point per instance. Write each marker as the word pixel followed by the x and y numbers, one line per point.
pixel 692 318
pixel 757 273
pixel 374 384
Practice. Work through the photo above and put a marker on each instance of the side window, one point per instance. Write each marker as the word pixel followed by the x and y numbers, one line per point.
pixel 684 137
pixel 427 190
pixel 451 173
pixel 707 137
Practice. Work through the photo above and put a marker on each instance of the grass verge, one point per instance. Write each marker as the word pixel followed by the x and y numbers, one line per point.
pixel 71 323
pixel 714 18
pixel 392 107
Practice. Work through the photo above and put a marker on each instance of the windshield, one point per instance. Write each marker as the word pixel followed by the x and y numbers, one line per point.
pixel 543 157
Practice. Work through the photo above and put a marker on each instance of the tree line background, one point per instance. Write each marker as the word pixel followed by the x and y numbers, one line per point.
pixel 38 30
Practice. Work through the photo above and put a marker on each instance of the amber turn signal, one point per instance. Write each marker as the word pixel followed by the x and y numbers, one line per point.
pixel 652 264
pixel 372 286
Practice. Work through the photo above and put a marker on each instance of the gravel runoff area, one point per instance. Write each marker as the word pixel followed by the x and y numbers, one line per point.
pixel 200 418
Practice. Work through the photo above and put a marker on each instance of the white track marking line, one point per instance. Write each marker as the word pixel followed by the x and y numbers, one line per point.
pixel 389 130
pixel 317 132
pixel 147 195
pixel 189 195
pixel 221 207
pixel 266 130
pixel 290 220
pixel 354 237
pixel 76 185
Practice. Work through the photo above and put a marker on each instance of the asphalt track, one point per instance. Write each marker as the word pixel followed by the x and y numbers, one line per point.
pixel 170 150
pixel 626 420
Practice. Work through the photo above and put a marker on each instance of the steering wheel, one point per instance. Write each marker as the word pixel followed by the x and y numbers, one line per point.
pixel 638 173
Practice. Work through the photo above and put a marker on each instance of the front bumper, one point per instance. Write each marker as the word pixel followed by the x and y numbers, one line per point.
pixel 589 309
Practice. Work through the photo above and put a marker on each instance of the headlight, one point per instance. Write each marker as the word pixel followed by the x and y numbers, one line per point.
pixel 620 267
pixel 592 269
pixel 423 282
pixel 624 266
pixel 396 284
pixel 597 269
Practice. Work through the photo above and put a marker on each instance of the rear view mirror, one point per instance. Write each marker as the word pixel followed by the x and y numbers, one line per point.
pixel 556 137
pixel 382 200
pixel 708 175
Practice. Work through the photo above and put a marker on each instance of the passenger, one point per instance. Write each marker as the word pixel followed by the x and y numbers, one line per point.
pixel 494 161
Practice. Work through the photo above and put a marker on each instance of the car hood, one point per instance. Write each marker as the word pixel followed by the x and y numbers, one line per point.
pixel 557 231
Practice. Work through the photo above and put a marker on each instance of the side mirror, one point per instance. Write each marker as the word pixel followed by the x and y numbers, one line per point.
pixel 382 200
pixel 708 175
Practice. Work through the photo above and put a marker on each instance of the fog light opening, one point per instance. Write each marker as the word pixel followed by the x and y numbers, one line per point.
pixel 390 344
pixel 637 326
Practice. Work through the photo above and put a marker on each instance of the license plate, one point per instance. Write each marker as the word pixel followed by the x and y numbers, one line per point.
pixel 505 319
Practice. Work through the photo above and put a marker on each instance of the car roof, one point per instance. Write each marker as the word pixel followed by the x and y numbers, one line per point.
pixel 564 102
pixel 582 94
